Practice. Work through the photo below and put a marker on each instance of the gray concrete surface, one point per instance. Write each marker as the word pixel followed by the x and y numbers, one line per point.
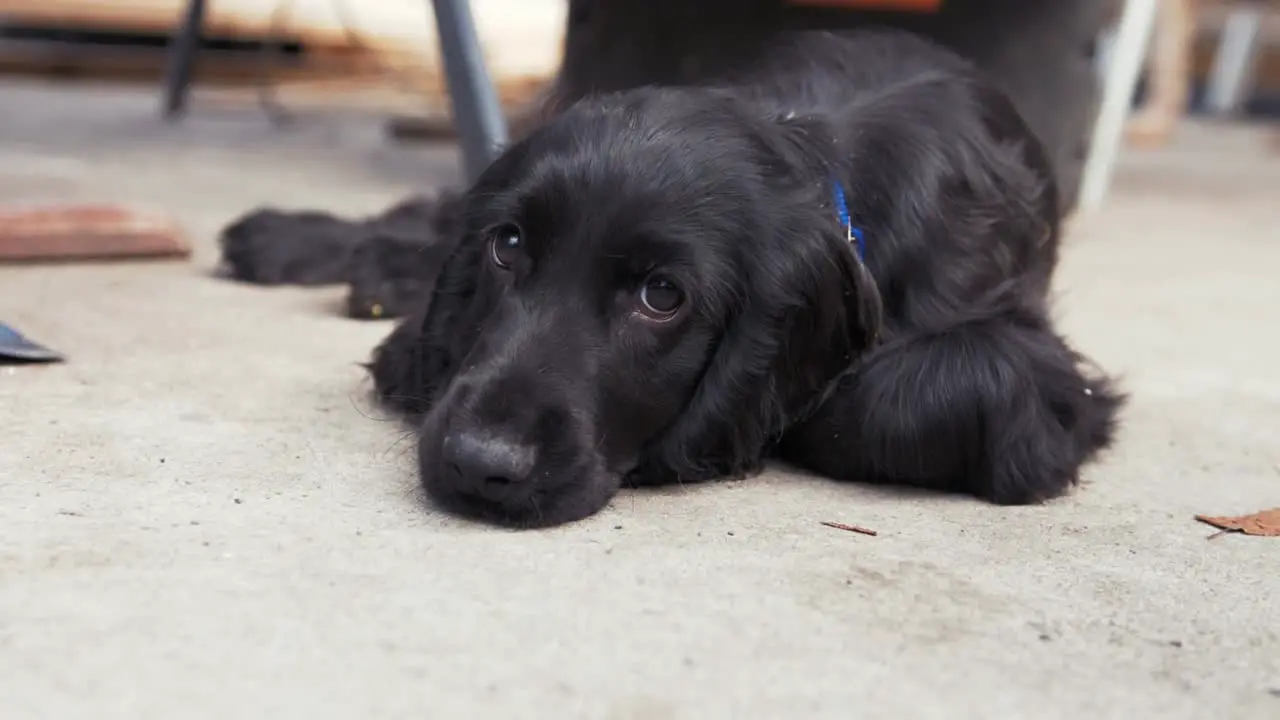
pixel 202 516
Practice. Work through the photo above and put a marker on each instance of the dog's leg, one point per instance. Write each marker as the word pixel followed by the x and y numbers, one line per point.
pixel 399 370
pixel 996 406
pixel 394 268
pixel 414 358
pixel 271 247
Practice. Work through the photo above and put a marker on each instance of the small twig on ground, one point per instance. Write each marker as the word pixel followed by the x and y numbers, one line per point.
pixel 850 528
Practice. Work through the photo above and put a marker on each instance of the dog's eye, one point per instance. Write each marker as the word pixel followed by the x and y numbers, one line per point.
pixel 660 298
pixel 504 246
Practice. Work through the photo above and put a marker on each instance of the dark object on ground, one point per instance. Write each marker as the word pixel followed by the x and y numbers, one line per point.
pixel 850 528
pixel 657 286
pixel 87 232
pixel 388 261
pixel 15 348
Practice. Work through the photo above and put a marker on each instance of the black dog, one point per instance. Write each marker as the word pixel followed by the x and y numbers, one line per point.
pixel 839 256
pixel 661 285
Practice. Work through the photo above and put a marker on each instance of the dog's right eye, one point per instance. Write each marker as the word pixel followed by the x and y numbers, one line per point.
pixel 504 246
pixel 660 298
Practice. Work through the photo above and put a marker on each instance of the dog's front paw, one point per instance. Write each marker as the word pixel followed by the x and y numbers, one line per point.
pixel 391 275
pixel 270 247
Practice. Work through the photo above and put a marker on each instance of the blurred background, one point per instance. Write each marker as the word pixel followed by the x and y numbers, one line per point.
pixel 308 62
pixel 366 84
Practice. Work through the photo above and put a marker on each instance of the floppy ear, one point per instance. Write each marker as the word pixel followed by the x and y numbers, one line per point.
pixel 834 315
pixel 422 353
pixel 416 362
pixel 811 307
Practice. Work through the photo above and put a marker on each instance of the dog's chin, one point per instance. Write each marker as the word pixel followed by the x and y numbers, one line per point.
pixel 544 508
pixel 552 499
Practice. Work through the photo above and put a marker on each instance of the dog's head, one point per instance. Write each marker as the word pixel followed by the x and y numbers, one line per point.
pixel 649 288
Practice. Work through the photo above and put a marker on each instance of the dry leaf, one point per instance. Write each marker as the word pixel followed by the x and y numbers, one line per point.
pixel 1265 523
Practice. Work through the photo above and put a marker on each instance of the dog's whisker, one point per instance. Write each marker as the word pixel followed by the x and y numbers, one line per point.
pixel 389 417
pixel 399 442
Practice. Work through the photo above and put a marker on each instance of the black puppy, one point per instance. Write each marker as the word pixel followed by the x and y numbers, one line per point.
pixel 840 256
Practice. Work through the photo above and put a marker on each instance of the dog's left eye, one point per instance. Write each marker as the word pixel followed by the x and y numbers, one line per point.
pixel 660 298
pixel 504 246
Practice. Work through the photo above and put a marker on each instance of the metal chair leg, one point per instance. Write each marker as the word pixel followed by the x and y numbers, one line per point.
pixel 477 115
pixel 182 57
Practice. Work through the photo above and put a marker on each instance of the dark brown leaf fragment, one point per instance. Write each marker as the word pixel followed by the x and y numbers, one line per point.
pixel 1265 523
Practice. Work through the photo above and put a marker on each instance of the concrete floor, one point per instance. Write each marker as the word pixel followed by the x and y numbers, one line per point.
pixel 202 515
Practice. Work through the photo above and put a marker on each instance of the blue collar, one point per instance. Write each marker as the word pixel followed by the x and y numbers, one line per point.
pixel 842 207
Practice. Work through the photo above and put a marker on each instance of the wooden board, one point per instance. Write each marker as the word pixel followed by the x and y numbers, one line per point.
pixel 87 232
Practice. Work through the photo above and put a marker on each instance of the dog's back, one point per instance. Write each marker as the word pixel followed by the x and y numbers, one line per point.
pixel 822 72
pixel 949 115
pixel 840 74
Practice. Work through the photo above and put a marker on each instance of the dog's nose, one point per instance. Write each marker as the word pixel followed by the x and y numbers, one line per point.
pixel 494 467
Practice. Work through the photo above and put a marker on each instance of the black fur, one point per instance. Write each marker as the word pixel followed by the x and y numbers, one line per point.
pixel 389 262
pixel 539 390
pixel 273 247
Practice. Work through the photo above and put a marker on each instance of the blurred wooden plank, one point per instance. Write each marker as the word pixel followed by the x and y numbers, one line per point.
pixel 70 61
pixel 87 232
